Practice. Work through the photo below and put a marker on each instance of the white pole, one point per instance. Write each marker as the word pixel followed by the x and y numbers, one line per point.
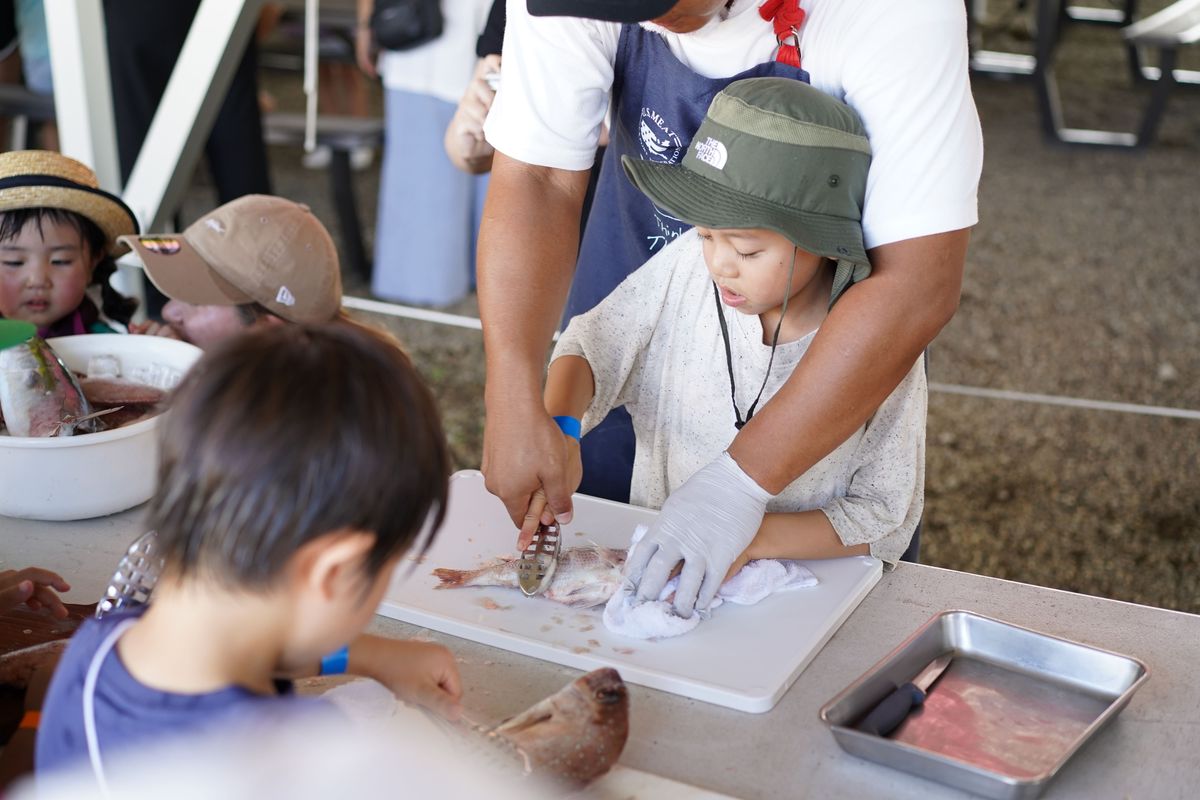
pixel 310 75
pixel 83 106
pixel 82 94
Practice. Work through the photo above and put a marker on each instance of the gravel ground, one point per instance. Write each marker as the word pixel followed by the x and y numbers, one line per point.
pixel 1082 281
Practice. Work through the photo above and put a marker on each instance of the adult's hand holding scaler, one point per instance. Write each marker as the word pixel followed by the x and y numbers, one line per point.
pixel 706 523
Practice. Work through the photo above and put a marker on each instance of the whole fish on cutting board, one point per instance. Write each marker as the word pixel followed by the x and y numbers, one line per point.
pixel 585 576
pixel 39 396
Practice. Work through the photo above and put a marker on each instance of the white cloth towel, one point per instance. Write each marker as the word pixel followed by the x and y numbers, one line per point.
pixel 656 619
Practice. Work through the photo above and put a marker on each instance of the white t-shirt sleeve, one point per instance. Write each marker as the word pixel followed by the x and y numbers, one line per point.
pixel 615 336
pixel 556 76
pixel 886 495
pixel 907 78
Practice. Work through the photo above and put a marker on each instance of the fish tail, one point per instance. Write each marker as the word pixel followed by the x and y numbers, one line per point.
pixel 452 578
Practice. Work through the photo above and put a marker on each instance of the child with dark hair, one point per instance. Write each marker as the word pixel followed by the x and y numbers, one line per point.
pixel 297 466
pixel 58 236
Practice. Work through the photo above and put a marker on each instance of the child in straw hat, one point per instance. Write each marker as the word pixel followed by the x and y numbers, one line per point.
pixel 707 331
pixel 58 236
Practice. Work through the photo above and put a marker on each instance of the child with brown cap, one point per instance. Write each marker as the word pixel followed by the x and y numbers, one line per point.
pixel 258 260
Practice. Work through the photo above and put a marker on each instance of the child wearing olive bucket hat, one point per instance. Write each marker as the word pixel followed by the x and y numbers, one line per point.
pixel 707 331
pixel 58 236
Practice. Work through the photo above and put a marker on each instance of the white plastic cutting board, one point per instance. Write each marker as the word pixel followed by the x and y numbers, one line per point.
pixel 743 657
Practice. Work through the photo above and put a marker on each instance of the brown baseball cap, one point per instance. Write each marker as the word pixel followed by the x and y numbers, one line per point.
pixel 256 249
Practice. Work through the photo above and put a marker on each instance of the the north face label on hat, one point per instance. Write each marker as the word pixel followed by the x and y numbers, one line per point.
pixel 712 152
pixel 285 297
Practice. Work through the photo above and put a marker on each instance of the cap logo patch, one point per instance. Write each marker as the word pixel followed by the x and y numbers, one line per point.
pixel 214 225
pixel 712 152
pixel 285 297
pixel 162 245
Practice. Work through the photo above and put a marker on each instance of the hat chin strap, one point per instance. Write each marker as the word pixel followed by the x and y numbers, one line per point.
pixel 738 422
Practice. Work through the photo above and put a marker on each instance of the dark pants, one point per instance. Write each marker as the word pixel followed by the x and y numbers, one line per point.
pixel 144 41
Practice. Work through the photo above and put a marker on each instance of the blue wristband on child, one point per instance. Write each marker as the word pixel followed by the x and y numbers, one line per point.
pixel 570 426
pixel 336 662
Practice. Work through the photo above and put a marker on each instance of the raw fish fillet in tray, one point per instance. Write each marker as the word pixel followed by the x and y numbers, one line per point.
pixel 743 657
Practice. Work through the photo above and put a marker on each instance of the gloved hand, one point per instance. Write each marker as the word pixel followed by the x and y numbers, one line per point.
pixel 707 523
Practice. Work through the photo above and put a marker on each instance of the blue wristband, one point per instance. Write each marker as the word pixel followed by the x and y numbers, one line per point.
pixel 570 426
pixel 335 663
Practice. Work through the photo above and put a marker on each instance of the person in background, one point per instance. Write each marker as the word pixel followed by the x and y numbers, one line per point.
pixel 35 61
pixel 255 262
pixel 58 237
pixel 145 38
pixel 657 64
pixel 465 143
pixel 298 465
pixel 428 211
pixel 706 332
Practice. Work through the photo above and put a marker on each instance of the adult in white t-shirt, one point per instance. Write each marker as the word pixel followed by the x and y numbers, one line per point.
pixel 901 66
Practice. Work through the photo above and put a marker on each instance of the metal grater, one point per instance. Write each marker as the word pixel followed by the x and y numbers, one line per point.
pixel 535 569
pixel 135 577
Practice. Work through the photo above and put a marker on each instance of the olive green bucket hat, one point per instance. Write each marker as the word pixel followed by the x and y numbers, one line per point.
pixel 773 153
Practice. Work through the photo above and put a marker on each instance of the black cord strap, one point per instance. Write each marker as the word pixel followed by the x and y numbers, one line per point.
pixel 738 422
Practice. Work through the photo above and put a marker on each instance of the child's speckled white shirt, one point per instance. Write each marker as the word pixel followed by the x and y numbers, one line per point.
pixel 654 345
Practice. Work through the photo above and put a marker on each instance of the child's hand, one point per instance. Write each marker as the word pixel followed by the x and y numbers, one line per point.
pixel 422 673
pixel 34 587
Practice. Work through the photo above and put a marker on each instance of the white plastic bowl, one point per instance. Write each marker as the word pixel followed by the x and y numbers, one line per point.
pixel 94 474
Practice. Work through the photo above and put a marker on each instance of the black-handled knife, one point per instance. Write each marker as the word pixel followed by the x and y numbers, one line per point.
pixel 895 708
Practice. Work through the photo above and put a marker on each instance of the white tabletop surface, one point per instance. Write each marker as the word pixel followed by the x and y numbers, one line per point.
pixel 1148 751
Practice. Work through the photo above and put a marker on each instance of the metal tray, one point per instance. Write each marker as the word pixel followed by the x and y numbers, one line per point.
pixel 1013 706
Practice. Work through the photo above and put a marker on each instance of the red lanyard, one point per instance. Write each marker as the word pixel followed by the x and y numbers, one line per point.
pixel 787 17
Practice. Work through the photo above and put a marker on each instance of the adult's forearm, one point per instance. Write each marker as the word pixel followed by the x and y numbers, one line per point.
pixel 862 351
pixel 528 244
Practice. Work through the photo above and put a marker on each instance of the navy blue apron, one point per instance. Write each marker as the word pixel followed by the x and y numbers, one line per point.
pixel 658 104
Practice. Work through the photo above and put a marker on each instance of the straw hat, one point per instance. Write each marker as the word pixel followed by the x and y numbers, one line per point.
pixel 42 179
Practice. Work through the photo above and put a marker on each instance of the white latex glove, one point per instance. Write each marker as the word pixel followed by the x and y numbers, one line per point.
pixel 706 523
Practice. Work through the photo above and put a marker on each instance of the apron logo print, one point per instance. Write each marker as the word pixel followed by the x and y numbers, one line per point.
pixel 658 142
pixel 712 152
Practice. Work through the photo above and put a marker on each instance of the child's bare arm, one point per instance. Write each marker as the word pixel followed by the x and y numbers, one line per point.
pixel 797 534
pixel 570 387
pixel 423 673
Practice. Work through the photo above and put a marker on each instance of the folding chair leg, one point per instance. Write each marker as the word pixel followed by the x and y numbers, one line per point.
pixel 347 211
pixel 1157 105
pixel 1049 22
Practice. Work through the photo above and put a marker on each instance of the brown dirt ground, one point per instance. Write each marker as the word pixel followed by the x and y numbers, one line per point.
pixel 1082 280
